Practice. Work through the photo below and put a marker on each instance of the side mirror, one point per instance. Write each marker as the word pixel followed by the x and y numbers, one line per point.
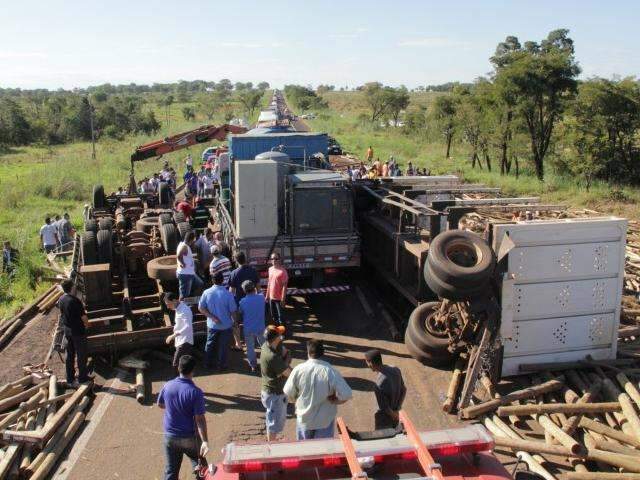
pixel 523 475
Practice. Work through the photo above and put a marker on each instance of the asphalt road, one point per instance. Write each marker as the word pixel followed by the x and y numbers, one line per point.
pixel 123 440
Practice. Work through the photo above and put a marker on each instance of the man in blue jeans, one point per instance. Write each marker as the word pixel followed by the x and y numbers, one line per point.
pixel 219 306
pixel 183 405
pixel 188 280
pixel 252 312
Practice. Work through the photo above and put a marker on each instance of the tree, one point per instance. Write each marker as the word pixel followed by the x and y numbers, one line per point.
pixel 250 100
pixel 14 126
pixel 166 102
pixel 444 112
pixel 188 113
pixel 397 102
pixel 263 86
pixel 377 97
pixel 543 80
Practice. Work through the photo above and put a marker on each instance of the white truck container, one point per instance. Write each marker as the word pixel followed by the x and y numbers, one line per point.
pixel 256 198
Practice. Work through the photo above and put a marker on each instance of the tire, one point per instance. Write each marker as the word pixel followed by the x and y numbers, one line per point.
pixel 162 268
pixel 461 259
pixel 105 246
pixel 89 249
pixel 105 223
pixel 164 194
pixel 91 226
pixel 146 224
pixel 433 348
pixel 164 218
pixel 450 292
pixel 179 217
pixel 169 238
pixel 183 229
pixel 99 200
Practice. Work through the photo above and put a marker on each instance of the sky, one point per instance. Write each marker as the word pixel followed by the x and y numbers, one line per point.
pixel 67 44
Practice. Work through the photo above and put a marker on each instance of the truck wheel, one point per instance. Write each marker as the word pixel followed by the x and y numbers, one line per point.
pixel 91 226
pixel 164 194
pixel 146 224
pixel 450 292
pixel 427 335
pixel 162 268
pixel 105 223
pixel 99 199
pixel 461 259
pixel 169 238
pixel 88 247
pixel 105 246
pixel 164 218
pixel 179 217
pixel 183 228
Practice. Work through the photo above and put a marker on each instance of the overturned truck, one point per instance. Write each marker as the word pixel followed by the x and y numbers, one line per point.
pixel 511 279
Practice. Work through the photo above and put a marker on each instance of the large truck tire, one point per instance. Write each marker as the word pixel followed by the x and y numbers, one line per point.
pixel 99 200
pixel 179 217
pixel 105 223
pixel 105 246
pixel 91 226
pixel 164 218
pixel 162 268
pixel 183 229
pixel 450 292
pixel 89 249
pixel 423 335
pixel 146 224
pixel 164 194
pixel 461 259
pixel 169 238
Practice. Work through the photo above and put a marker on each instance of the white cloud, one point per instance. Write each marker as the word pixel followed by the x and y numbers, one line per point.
pixel 12 55
pixel 432 42
pixel 354 34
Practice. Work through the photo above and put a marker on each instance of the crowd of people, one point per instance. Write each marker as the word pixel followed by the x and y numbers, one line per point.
pixel 57 234
pixel 376 169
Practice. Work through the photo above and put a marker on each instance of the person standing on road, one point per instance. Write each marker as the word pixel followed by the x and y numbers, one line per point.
pixel 274 368
pixel 317 389
pixel 184 409
pixel 224 247
pixel 251 309
pixel 74 322
pixel 369 154
pixel 182 336
pixel 277 289
pixel 65 230
pixel 219 264
pixel 240 275
pixel 49 236
pixel 390 390
pixel 188 279
pixel 203 247
pixel 219 306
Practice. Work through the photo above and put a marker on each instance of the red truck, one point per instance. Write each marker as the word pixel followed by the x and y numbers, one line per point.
pixel 463 453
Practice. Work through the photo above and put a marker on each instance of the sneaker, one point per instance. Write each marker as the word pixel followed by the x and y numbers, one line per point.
pixel 75 384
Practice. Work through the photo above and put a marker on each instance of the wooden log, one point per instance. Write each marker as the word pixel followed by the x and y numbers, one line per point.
pixel 533 464
pixel 476 410
pixel 48 453
pixel 601 476
pixel 9 332
pixel 134 360
pixel 574 421
pixel 18 384
pixel 53 392
pixel 608 431
pixel 615 447
pixel 611 392
pixel 452 391
pixel 629 387
pixel 567 408
pixel 140 386
pixel 26 311
pixel 557 433
pixel 14 400
pixel 24 407
pixel 11 455
pixel 41 437
pixel 27 451
pixel 538 367
pixel 630 414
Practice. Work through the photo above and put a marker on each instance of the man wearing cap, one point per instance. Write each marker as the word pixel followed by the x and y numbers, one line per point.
pixel 182 335
pixel 252 313
pixel 390 390
pixel 274 368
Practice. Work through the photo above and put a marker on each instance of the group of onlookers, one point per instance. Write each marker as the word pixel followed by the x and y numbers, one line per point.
pixel 57 234
pixel 376 169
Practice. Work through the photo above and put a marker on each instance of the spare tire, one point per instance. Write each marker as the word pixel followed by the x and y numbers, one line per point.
pixel 88 247
pixel 105 223
pixel 99 200
pixel 105 246
pixel 184 228
pixel 450 292
pixel 426 337
pixel 162 268
pixel 461 259
pixel 164 194
pixel 91 226
pixel 169 238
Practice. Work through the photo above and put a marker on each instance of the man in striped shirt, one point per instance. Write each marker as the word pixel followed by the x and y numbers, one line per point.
pixel 219 264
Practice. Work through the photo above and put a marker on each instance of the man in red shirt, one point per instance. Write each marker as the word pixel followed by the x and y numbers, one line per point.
pixel 185 208
pixel 277 289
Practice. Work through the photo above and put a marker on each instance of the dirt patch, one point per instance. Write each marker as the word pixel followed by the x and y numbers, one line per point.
pixel 31 346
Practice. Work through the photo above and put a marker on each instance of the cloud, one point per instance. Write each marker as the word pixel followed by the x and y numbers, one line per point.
pixel 432 42
pixel 251 45
pixel 354 34
pixel 12 55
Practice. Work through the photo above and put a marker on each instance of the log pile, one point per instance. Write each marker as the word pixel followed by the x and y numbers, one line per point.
pixel 38 420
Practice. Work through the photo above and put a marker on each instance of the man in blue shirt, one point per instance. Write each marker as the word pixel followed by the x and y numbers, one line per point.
pixel 183 405
pixel 252 311
pixel 239 275
pixel 219 306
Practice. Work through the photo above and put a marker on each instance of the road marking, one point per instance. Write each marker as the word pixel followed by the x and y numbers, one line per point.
pixel 80 444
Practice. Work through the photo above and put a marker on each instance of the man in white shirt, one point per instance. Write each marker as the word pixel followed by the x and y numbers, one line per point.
pixel 49 235
pixel 317 389
pixel 182 336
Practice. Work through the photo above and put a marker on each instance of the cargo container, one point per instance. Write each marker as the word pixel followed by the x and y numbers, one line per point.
pixel 298 145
